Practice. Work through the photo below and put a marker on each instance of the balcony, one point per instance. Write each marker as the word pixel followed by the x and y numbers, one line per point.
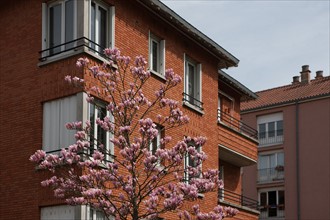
pixel 70 48
pixel 234 199
pixel 271 174
pixel 272 212
pixel 236 125
pixel 192 101
pixel 267 141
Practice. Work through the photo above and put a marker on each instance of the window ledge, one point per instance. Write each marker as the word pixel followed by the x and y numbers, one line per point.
pixel 71 53
pixel 195 108
pixel 158 75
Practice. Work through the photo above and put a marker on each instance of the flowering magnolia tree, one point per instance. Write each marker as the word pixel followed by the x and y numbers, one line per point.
pixel 141 182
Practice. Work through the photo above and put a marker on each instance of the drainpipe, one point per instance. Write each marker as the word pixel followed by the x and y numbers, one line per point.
pixel 297 161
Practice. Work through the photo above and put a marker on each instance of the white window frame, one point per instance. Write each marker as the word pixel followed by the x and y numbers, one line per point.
pixel 108 157
pixel 196 101
pixel 186 163
pixel 271 172
pixel 267 190
pixel 82 28
pixel 46 25
pixel 109 24
pixel 160 68
pixel 266 120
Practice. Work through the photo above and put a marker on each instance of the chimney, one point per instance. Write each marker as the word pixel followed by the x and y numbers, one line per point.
pixel 305 74
pixel 295 80
pixel 319 74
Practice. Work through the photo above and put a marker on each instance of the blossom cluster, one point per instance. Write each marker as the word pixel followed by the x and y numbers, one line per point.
pixel 138 182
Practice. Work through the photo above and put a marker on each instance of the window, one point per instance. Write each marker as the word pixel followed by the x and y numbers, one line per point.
pixel 99 21
pixel 156 54
pixel 56 114
pixel 61 25
pixel 271 167
pixel 63 31
pixel 190 162
pixel 99 138
pixel 72 212
pixel 270 128
pixel 221 177
pixel 193 82
pixel 58 212
pixel 271 203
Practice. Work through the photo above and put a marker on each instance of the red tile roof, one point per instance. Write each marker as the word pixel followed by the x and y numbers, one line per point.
pixel 289 93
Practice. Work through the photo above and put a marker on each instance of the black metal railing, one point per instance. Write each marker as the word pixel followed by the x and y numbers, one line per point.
pixel 86 153
pixel 271 174
pixel 76 44
pixel 234 198
pixel 192 100
pixel 237 124
pixel 272 211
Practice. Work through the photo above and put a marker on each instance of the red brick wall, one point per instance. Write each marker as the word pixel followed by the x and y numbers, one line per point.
pixel 24 86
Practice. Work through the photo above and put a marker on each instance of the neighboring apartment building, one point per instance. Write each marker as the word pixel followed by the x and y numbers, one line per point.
pixel 40 43
pixel 292 174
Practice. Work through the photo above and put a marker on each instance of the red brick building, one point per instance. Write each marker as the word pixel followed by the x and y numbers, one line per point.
pixel 291 180
pixel 40 43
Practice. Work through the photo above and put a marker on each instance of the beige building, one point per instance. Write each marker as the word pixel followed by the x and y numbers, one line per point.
pixel 292 177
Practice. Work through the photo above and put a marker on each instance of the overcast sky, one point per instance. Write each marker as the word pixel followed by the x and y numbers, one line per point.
pixel 272 39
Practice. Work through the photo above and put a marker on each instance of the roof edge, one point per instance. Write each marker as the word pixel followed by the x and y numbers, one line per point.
pixel 246 91
pixel 172 17
pixel 281 104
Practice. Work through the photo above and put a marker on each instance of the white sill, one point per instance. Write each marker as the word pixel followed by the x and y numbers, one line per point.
pixel 157 74
pixel 185 103
pixel 70 54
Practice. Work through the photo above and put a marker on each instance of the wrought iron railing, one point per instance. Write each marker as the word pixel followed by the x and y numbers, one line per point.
pixel 72 45
pixel 236 124
pixel 271 174
pixel 234 198
pixel 192 100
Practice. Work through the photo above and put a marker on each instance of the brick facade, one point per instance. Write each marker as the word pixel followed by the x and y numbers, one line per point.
pixel 25 85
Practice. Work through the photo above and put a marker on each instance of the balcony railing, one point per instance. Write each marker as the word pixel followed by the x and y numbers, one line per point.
pixel 237 124
pixel 272 212
pixel 234 198
pixel 264 141
pixel 271 174
pixel 192 100
pixel 79 43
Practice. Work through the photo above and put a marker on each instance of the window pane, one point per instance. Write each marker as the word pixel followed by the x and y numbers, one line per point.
pixel 69 26
pixel 271 129
pixel 280 159
pixel 93 25
pixel 262 131
pixel 263 162
pixel 272 204
pixel 263 199
pixel 102 41
pixel 279 128
pixel 92 130
pixel 55 28
pixel 101 133
pixel 191 83
pixel 154 58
